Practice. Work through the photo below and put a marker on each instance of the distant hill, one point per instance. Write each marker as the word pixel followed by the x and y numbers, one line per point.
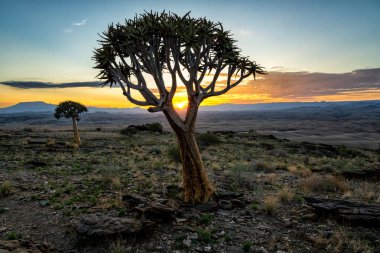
pixel 29 107
pixel 42 107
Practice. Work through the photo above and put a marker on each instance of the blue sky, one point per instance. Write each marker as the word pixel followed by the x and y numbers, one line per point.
pixel 324 36
pixel 52 41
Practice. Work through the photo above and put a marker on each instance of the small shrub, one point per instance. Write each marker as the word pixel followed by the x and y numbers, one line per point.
pixel 118 246
pixel 345 151
pixel 254 206
pixel 205 236
pixel 208 139
pixel 13 236
pixel 6 187
pixel 270 204
pixel 27 129
pixel 174 153
pixel 324 184
pixel 247 246
pixel 155 127
pixel 241 177
pixel 285 195
pixel 133 129
pixel 206 218
pixel 58 206
pixel 128 131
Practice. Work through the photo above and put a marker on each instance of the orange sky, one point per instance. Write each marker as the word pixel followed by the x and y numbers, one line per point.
pixel 275 87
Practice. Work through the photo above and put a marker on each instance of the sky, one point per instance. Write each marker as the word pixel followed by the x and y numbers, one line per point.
pixel 313 50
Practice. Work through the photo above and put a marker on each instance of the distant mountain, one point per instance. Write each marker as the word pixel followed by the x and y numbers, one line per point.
pixel 42 107
pixel 29 107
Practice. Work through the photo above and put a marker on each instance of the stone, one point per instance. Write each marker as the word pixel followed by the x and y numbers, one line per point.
pixel 348 212
pixel 187 242
pixel 234 249
pixel 26 246
pixel 262 250
pixel 208 207
pixel 225 204
pixel 134 200
pixel 158 212
pixel 98 226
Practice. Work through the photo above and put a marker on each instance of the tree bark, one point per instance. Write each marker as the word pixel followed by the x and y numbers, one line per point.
pixel 76 132
pixel 197 187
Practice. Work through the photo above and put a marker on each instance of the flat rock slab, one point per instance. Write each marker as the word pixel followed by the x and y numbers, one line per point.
pixel 150 209
pixel 25 246
pixel 37 141
pixel 372 174
pixel 347 212
pixel 99 226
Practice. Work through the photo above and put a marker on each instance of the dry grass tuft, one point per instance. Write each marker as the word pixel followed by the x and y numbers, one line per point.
pixel 367 191
pixel 324 184
pixel 342 241
pixel 270 204
pixel 292 169
pixel 119 246
pixel 271 178
pixel 285 195
pixel 6 187
pixel 50 142
pixel 71 145
pixel 299 170
pixel 112 181
pixel 264 165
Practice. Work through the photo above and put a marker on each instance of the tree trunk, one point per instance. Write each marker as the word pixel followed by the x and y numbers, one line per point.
pixel 76 132
pixel 197 187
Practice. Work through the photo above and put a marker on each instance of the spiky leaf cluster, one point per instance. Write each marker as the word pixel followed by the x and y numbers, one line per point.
pixel 69 109
pixel 186 47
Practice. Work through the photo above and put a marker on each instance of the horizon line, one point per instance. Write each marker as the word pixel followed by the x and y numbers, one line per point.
pixel 262 103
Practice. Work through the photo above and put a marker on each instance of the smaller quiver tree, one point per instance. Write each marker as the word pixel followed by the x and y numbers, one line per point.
pixel 71 109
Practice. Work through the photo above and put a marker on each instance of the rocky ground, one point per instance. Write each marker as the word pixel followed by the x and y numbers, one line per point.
pixel 122 193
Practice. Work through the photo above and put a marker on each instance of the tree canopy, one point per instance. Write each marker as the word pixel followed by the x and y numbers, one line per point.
pixel 187 48
pixel 69 109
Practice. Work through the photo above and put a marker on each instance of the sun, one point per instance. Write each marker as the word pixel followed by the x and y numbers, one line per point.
pixel 180 104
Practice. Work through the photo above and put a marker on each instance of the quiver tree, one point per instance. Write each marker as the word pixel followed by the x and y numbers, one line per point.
pixel 172 50
pixel 71 109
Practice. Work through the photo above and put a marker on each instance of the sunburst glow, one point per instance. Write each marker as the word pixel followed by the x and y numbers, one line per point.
pixel 180 105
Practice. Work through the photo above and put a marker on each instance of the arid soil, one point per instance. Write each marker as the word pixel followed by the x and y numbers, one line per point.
pixel 49 187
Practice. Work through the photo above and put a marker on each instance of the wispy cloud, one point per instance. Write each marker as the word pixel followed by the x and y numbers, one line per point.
pixel 80 23
pixel 73 26
pixel 46 85
pixel 244 32
pixel 299 85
